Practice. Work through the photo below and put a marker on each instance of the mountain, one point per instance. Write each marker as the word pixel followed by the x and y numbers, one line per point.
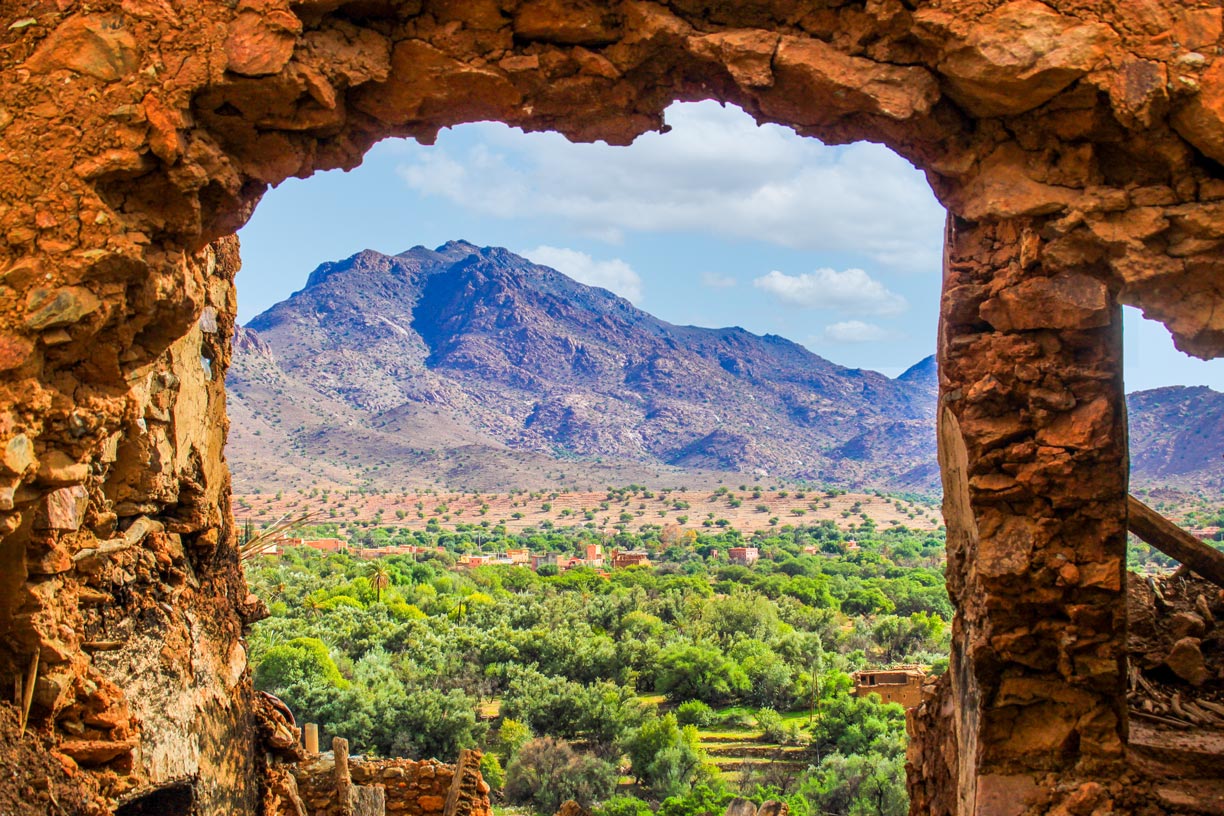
pixel 476 363
pixel 1177 437
pixel 474 367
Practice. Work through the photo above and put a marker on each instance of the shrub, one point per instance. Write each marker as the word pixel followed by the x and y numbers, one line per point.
pixel 491 771
pixel 548 771
pixel 694 712
pixel 624 806
pixel 770 722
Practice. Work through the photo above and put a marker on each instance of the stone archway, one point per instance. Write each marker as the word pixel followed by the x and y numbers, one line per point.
pixel 1077 147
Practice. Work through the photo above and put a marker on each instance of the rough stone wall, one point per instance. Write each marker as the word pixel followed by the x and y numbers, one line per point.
pixel 412 788
pixel 123 577
pixel 1078 147
pixel 1033 457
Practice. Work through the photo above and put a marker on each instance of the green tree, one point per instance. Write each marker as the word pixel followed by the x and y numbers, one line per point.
pixel 301 660
pixel 690 671
pixel 665 756
pixel 547 772
pixel 380 579
pixel 511 736
pixel 861 785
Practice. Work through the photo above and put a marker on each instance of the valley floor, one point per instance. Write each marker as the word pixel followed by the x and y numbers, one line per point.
pixel 744 508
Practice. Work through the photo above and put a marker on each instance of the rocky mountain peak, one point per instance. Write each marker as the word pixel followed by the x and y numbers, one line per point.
pixel 482 347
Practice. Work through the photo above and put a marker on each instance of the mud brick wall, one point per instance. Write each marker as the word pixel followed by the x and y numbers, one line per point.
pixel 1078 147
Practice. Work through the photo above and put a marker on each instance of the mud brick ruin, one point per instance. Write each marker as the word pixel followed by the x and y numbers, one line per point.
pixel 1077 146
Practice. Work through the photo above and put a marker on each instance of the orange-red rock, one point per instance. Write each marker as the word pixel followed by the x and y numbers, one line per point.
pixel 1076 145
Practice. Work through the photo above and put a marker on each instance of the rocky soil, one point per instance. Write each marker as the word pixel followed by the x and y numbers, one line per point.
pixel 689 509
pixel 1175 637
pixel 1176 694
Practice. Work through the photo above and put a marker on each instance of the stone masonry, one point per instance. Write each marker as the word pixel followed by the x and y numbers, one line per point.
pixel 408 787
pixel 1078 147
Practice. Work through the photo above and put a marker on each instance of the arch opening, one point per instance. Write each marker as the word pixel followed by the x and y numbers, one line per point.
pixel 659 515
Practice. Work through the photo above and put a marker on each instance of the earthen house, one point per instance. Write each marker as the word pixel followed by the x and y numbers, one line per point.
pixel 629 558
pixel 902 686
pixel 744 556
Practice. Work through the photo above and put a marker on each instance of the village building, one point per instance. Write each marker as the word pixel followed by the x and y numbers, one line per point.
pixel 594 555
pixel 900 685
pixel 629 558
pixel 745 556
pixel 331 545
pixel 565 562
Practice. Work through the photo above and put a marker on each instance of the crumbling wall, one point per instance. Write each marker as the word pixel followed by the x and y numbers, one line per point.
pixel 1033 457
pixel 128 599
pixel 1077 146
pixel 410 787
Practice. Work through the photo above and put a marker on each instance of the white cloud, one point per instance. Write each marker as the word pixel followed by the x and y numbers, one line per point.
pixel 856 331
pixel 716 172
pixel 852 290
pixel 714 280
pixel 614 275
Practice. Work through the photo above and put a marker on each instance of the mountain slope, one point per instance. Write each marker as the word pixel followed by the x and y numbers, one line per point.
pixel 476 368
pixel 462 347
pixel 1177 436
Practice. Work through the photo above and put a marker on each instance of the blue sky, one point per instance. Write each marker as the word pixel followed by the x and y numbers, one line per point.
pixel 717 223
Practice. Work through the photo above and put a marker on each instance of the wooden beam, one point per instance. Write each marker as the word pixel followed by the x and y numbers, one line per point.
pixel 1174 542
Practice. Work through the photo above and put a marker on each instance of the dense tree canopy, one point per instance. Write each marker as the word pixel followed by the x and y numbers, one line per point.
pixel 554 674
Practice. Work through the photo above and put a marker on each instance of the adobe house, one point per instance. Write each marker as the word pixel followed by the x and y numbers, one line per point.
pixel 901 685
pixel 1078 148
pixel 745 556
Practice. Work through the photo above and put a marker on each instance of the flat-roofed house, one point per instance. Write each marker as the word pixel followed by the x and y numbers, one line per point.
pixel 901 685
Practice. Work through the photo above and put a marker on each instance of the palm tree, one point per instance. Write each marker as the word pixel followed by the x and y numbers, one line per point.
pixel 312 605
pixel 380 579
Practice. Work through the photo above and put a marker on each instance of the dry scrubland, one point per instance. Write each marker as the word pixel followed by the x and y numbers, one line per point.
pixel 746 510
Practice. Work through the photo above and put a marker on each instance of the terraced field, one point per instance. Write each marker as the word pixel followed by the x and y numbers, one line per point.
pixel 736 745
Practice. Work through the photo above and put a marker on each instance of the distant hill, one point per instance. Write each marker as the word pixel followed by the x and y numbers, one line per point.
pixel 474 367
pixel 1177 437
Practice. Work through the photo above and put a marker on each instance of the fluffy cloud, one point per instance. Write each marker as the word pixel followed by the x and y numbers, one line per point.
pixel 716 281
pixel 852 290
pixel 856 331
pixel 614 275
pixel 715 172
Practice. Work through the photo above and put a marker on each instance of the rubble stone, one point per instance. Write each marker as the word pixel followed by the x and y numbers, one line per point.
pixel 50 308
pixel 18 454
pixel 64 509
pixel 1186 661
pixel 1076 146
pixel 97 45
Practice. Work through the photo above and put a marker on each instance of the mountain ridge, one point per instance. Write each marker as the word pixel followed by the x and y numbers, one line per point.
pixel 389 364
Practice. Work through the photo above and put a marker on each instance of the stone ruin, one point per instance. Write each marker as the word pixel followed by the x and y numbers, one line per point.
pixel 335 784
pixel 1077 146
